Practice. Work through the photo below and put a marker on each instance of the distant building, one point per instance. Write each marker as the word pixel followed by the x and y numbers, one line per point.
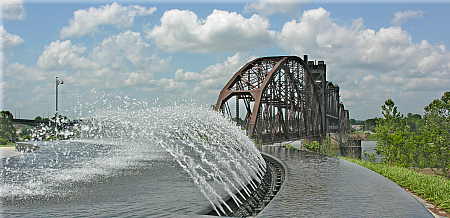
pixel 357 127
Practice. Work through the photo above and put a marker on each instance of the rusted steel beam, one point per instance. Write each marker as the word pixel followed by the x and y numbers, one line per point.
pixel 284 97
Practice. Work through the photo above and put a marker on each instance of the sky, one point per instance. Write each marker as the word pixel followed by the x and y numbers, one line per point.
pixel 179 50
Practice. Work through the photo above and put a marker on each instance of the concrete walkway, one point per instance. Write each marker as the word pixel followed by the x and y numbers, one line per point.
pixel 320 186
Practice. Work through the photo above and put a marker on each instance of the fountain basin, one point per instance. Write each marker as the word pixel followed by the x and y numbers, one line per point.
pixel 269 187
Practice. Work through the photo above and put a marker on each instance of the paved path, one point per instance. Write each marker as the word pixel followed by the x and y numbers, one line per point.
pixel 319 186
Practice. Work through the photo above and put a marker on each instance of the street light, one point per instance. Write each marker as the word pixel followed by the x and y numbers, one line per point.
pixel 58 82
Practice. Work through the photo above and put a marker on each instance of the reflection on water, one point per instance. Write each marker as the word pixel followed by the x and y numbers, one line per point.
pixel 369 148
pixel 158 188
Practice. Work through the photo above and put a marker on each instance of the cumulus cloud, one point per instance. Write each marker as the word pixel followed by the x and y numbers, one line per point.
pixel 121 60
pixel 8 40
pixel 371 65
pixel 269 7
pixel 208 82
pixel 86 21
pixel 126 51
pixel 23 71
pixel 182 30
pixel 12 10
pixel 401 17
pixel 63 55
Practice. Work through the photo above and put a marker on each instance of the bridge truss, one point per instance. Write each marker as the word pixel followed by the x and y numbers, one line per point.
pixel 283 97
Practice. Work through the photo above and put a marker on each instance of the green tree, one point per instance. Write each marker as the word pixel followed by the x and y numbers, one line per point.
pixel 436 131
pixel 414 121
pixel 370 124
pixel 7 130
pixel 393 135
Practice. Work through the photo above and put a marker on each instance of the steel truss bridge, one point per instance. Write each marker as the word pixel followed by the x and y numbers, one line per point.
pixel 284 98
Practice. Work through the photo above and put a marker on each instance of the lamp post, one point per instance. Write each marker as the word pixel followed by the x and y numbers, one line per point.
pixel 58 82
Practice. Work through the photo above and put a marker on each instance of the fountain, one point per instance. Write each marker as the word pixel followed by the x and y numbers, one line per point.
pixel 118 134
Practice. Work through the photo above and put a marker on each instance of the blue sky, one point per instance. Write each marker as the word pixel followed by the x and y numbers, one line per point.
pixel 175 51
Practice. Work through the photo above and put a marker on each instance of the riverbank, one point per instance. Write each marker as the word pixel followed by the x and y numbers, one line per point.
pixel 433 189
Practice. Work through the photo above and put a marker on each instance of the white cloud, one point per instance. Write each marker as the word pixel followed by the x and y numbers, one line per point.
pixel 268 7
pixel 208 82
pixel 167 84
pixel 128 50
pixel 64 55
pixel 121 60
pixel 370 65
pixel 8 40
pixel 401 17
pixel 182 30
pixel 216 72
pixel 12 10
pixel 87 21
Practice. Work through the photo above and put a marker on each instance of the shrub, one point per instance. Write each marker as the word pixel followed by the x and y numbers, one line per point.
pixel 313 146
pixel 3 141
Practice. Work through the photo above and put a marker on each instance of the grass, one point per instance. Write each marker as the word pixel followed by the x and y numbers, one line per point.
pixel 435 189
pixel 371 137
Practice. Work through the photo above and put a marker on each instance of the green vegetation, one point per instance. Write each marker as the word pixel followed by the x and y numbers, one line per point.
pixel 435 189
pixel 356 122
pixel 326 147
pixel 7 130
pixel 7 144
pixel 290 147
pixel 414 141
pixel 370 156
pixel 25 133
pixel 371 137
pixel 369 124
pixel 313 146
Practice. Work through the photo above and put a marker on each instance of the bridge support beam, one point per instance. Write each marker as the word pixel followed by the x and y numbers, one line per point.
pixel 285 97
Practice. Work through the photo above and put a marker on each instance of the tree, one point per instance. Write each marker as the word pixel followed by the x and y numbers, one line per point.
pixel 356 122
pixel 370 124
pixel 414 121
pixel 437 132
pixel 38 118
pixel 7 130
pixel 392 135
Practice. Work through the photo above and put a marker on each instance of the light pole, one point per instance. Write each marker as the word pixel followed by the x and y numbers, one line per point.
pixel 58 82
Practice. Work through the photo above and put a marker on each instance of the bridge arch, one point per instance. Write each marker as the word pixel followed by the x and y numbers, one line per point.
pixel 281 98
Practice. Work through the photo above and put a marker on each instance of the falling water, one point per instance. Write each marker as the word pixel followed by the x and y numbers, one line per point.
pixel 117 133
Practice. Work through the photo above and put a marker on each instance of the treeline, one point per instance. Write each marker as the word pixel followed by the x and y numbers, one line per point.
pixel 7 130
pixel 414 121
pixel 413 140
pixel 10 133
